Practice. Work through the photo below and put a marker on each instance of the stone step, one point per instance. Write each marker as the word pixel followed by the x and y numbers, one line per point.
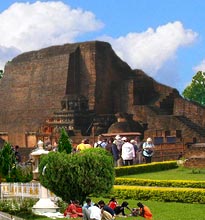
pixel 191 125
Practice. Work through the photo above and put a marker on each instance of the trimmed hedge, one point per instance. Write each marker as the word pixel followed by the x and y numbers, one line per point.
pixel 144 168
pixel 160 183
pixel 183 195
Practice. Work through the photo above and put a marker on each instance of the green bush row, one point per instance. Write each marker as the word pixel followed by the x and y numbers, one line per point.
pixel 183 195
pixel 160 183
pixel 144 168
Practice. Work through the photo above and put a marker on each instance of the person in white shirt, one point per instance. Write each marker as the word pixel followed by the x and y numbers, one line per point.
pixel 148 150
pixel 128 152
pixel 95 212
pixel 85 209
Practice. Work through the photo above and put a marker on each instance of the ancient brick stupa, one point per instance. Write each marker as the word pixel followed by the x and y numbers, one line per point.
pixel 81 87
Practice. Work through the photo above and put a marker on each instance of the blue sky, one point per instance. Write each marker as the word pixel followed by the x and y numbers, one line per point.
pixel 164 38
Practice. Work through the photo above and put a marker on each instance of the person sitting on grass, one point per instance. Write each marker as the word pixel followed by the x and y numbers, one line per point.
pixel 143 211
pixel 107 212
pixel 112 203
pixel 73 210
pixel 86 209
pixel 120 209
pixel 95 212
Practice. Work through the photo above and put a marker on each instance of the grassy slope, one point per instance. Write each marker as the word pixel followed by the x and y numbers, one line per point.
pixel 180 173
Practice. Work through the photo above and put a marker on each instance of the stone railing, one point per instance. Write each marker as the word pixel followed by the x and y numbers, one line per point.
pixel 23 190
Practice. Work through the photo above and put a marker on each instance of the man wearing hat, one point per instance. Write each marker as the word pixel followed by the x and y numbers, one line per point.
pixel 119 142
pixel 128 152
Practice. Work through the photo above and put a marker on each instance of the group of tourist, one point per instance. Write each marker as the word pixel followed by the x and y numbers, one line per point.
pixel 103 211
pixel 124 151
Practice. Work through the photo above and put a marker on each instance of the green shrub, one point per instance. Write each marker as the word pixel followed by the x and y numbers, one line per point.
pixel 144 168
pixel 76 176
pixel 21 174
pixel 183 195
pixel 64 143
pixel 160 183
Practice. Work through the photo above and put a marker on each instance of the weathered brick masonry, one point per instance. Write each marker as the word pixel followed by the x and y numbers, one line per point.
pixel 35 83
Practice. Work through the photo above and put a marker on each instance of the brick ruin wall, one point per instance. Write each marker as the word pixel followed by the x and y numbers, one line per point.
pixel 35 83
pixel 191 110
pixel 112 83
pixel 32 93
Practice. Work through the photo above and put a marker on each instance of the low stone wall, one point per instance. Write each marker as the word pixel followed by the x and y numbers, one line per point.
pixel 195 156
pixel 6 216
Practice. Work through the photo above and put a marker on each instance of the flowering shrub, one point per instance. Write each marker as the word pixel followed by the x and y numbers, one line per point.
pixel 13 206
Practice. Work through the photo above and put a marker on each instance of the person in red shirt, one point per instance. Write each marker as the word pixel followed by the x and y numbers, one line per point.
pixel 144 211
pixel 112 203
pixel 73 210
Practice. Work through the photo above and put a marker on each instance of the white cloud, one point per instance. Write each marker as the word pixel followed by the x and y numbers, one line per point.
pixel 29 26
pixel 200 67
pixel 151 49
pixel 33 26
pixel 6 53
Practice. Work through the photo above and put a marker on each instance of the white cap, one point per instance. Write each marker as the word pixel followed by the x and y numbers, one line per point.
pixel 124 138
pixel 118 137
pixel 40 143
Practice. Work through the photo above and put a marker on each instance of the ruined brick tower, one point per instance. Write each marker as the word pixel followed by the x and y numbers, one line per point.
pixel 83 85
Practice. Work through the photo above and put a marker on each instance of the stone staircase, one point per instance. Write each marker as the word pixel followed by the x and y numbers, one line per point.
pixel 164 104
pixel 168 103
pixel 162 97
pixel 157 110
pixel 191 125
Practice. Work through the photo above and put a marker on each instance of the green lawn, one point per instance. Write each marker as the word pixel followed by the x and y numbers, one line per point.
pixel 180 173
pixel 160 211
pixel 167 210
pixel 174 211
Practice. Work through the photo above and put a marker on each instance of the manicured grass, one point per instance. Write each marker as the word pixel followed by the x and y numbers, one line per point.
pixel 160 210
pixel 167 211
pixel 180 173
pixel 176 211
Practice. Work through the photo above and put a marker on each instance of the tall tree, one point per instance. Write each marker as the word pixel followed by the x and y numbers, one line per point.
pixel 196 90
pixel 64 143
